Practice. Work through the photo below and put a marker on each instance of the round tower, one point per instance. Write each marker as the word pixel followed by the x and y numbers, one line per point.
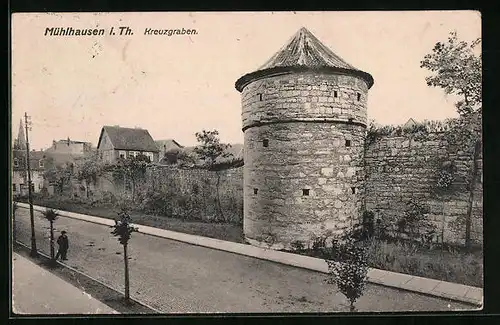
pixel 304 121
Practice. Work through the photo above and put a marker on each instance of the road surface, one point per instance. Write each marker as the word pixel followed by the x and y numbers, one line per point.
pixel 176 277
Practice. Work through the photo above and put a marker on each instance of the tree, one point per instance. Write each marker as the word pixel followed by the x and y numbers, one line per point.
pixel 89 169
pixel 456 67
pixel 210 150
pixel 131 170
pixel 51 215
pixel 123 230
pixel 348 268
pixel 59 175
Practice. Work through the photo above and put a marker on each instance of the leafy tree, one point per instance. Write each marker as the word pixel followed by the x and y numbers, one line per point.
pixel 456 67
pixel 51 215
pixel 210 150
pixel 132 170
pixel 89 169
pixel 123 230
pixel 348 268
pixel 59 175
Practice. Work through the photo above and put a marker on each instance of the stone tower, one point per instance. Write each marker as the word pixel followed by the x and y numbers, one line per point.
pixel 304 121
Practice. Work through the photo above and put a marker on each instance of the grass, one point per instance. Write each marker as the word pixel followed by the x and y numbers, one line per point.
pixel 450 264
pixel 223 231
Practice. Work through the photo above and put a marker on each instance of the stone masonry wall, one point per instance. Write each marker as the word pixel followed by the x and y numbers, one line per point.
pixel 307 96
pixel 307 179
pixel 302 156
pixel 399 169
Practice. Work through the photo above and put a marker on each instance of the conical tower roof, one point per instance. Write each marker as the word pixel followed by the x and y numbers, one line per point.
pixel 301 53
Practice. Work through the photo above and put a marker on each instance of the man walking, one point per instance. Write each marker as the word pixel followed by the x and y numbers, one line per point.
pixel 63 243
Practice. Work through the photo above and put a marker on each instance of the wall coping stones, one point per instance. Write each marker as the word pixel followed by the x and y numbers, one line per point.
pixel 453 291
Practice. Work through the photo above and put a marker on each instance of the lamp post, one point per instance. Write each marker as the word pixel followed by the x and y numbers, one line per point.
pixel 34 252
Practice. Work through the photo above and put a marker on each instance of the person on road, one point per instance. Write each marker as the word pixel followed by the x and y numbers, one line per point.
pixel 63 243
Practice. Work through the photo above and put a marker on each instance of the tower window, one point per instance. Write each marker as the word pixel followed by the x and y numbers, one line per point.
pixel 260 97
pixel 255 191
pixel 265 143
pixel 305 192
pixel 347 143
pixel 335 94
pixel 359 97
pixel 16 162
pixel 353 190
pixel 40 163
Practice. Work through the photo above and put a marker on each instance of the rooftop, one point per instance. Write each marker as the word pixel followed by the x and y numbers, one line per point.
pixel 129 138
pixel 303 52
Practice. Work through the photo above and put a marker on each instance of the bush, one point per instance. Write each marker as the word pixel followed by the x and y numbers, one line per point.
pixel 348 268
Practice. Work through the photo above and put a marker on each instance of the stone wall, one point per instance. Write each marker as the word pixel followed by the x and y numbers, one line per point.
pixel 304 145
pixel 400 169
pixel 304 96
pixel 189 193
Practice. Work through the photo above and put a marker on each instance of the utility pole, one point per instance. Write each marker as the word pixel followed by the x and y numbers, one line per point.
pixel 34 252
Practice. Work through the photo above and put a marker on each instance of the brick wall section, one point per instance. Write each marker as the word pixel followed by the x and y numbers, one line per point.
pixel 305 119
pixel 401 168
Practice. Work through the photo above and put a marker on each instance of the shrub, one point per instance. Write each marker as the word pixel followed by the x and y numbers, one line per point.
pixel 348 268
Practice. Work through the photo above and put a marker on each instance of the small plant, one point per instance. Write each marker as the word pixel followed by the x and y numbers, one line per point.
pixel 51 215
pixel 348 269
pixel 368 226
pixel 413 221
pixel 297 246
pixel 123 230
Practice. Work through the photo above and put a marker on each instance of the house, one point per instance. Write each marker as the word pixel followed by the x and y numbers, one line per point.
pixel 409 124
pixel 167 145
pixel 119 142
pixel 37 165
pixel 37 168
pixel 70 147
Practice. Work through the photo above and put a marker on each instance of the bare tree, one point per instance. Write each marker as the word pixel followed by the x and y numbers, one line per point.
pixel 123 230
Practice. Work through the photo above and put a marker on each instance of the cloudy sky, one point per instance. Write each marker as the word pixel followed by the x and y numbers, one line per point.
pixel 175 86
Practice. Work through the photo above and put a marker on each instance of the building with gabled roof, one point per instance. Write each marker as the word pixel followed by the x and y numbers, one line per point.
pixel 115 142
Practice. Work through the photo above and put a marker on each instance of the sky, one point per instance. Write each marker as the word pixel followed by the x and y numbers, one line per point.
pixel 175 86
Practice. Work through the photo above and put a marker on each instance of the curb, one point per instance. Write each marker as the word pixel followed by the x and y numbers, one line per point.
pixel 92 278
pixel 437 288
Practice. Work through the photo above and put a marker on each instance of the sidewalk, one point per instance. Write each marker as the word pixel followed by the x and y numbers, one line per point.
pixel 406 282
pixel 37 291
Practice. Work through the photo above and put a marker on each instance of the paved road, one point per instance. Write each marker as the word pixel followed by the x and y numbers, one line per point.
pixel 37 291
pixel 176 277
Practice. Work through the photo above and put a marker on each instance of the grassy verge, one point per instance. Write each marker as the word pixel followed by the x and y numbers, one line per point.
pixel 223 231
pixel 451 265
pixel 106 295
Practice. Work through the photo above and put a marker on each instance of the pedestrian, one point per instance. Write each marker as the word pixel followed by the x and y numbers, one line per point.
pixel 63 243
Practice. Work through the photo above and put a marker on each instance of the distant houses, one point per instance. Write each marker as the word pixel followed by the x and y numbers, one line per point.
pixel 165 146
pixel 19 177
pixel 119 142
